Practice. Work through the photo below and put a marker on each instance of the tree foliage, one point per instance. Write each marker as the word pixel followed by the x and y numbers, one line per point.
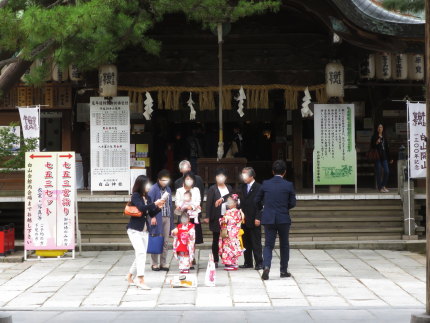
pixel 90 33
pixel 404 5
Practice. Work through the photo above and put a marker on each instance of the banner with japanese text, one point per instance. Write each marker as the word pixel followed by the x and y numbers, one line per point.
pixel 334 156
pixel 417 139
pixel 30 123
pixel 110 143
pixel 49 201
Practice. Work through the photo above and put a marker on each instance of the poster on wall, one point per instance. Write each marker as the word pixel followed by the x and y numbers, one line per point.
pixel 50 193
pixel 417 139
pixel 334 156
pixel 110 144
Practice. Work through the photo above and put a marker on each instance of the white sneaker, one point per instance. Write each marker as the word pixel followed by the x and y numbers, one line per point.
pixel 143 286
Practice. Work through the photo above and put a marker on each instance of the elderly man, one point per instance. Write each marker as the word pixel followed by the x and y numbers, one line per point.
pixel 252 229
pixel 185 167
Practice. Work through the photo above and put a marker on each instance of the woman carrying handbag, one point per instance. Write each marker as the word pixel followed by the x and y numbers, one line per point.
pixel 138 209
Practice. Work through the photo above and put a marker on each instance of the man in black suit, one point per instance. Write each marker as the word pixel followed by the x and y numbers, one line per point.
pixel 251 227
pixel 277 196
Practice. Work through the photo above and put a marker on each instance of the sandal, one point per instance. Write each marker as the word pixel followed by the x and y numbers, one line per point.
pixel 143 286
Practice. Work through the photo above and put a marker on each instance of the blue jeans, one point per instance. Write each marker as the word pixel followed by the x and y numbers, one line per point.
pixel 381 173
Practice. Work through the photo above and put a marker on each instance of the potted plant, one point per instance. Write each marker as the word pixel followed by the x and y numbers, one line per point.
pixel 12 157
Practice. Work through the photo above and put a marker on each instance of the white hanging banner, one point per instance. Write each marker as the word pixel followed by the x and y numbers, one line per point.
pixel 30 123
pixel 417 139
pixel 50 192
pixel 110 143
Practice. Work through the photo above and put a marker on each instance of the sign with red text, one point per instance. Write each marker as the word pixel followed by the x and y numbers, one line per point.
pixel 50 193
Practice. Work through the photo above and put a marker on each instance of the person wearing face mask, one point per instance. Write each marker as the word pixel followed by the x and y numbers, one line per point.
pixel 163 223
pixel 137 228
pixel 251 227
pixel 183 243
pixel 216 207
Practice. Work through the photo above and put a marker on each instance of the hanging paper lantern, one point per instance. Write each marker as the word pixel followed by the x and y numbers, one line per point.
pixel 59 74
pixel 400 66
pixel 74 73
pixel 45 62
pixel 367 67
pixel 108 80
pixel 334 79
pixel 416 67
pixel 383 66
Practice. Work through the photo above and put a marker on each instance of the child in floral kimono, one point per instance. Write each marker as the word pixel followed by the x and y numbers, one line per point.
pixel 229 245
pixel 183 243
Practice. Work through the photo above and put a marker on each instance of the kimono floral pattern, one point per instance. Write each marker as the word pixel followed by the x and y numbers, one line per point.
pixel 229 248
pixel 183 245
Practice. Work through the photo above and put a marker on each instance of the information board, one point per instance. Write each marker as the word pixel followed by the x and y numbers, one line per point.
pixel 334 156
pixel 110 143
pixel 50 193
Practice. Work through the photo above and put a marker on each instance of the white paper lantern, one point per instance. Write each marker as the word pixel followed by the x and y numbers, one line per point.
pixel 45 61
pixel 400 66
pixel 334 79
pixel 74 73
pixel 416 67
pixel 108 80
pixel 59 74
pixel 367 67
pixel 383 66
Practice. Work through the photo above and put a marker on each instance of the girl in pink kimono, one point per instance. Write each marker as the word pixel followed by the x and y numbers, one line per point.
pixel 229 245
pixel 183 243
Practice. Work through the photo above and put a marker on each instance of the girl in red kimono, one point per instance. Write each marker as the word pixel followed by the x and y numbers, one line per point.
pixel 183 243
pixel 229 244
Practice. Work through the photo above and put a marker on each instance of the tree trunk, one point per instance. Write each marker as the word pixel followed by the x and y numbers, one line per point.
pixel 12 75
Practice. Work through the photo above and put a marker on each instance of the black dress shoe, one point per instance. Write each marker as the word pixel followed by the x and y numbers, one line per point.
pixel 259 267
pixel 155 268
pixel 164 268
pixel 245 266
pixel 285 274
pixel 266 272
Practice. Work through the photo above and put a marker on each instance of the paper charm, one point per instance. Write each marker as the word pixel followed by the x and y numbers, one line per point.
pixel 241 97
pixel 190 103
pixel 148 106
pixel 306 112
pixel 210 277
pixel 220 150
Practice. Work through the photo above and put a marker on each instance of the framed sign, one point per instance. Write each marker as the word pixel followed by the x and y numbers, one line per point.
pixel 110 144
pixel 334 156
pixel 50 195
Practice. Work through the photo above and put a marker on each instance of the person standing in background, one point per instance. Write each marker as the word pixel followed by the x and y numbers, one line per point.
pixel 380 143
pixel 252 226
pixel 276 197
pixel 163 223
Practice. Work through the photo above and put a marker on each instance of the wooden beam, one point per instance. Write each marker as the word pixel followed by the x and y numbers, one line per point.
pixel 297 150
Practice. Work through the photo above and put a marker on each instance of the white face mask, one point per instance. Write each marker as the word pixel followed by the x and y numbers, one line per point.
pixel 220 179
pixel 165 182
pixel 189 182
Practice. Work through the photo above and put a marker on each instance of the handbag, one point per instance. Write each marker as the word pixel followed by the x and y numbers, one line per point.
pixel 155 244
pixel 373 154
pixel 132 210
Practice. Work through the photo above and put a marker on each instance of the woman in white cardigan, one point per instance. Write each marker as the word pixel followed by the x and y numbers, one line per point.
pixel 189 182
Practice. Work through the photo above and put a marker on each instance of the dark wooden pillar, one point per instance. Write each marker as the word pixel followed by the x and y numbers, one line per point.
pixel 297 149
pixel 66 130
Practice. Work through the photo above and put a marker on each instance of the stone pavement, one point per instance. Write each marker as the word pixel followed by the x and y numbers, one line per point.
pixel 353 283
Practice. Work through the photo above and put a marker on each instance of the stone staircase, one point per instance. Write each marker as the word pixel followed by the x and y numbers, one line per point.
pixel 313 220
